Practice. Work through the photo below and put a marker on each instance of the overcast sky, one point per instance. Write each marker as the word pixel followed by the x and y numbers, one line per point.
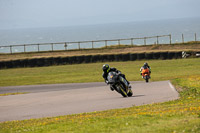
pixel 51 13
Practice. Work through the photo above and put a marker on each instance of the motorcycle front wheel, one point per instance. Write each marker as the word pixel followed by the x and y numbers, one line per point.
pixel 130 93
pixel 123 93
pixel 147 79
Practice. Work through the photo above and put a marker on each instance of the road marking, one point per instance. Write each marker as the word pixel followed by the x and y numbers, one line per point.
pixel 172 87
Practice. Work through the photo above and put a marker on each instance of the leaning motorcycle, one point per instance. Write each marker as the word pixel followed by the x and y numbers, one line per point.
pixel 119 84
pixel 146 74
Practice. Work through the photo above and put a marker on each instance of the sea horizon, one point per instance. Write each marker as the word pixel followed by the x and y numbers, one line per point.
pixel 137 29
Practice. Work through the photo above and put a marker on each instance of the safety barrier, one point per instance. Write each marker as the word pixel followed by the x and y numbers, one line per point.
pixel 39 62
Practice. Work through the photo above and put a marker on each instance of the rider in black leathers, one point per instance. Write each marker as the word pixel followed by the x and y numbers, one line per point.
pixel 106 69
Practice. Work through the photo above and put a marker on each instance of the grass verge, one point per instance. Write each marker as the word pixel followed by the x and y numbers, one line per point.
pixel 182 115
pixel 79 73
pixel 17 93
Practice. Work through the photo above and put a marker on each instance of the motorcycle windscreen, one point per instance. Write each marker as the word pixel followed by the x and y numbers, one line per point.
pixel 112 77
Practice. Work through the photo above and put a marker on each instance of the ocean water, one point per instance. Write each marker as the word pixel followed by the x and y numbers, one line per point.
pixel 176 27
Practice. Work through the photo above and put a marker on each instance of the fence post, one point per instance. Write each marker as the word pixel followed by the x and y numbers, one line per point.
pixel 38 47
pixel 65 46
pixel 52 46
pixel 106 43
pixel 92 44
pixel 24 48
pixel 195 37
pixel 170 39
pixel 182 38
pixel 79 47
pixel 119 42
pixel 132 41
pixel 11 49
pixel 157 40
pixel 144 40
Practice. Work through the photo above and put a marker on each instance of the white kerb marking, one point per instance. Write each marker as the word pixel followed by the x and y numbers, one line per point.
pixel 171 86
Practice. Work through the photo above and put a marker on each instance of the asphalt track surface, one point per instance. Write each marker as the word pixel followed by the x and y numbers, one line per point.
pixel 64 99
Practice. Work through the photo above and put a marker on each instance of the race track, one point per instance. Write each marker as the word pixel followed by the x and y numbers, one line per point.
pixel 64 99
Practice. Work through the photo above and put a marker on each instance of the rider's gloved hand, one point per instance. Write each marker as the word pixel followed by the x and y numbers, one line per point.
pixel 118 72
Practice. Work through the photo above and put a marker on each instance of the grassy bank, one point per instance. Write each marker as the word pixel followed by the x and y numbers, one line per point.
pixel 161 70
pixel 181 115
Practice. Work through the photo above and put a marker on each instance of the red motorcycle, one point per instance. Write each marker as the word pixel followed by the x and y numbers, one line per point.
pixel 146 74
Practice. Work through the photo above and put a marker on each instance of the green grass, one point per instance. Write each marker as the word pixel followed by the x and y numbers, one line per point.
pixel 79 73
pixel 182 115
pixel 17 93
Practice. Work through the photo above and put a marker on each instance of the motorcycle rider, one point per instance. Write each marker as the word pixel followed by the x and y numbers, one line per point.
pixel 145 66
pixel 106 69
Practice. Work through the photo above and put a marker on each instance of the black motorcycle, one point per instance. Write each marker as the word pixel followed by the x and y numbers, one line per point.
pixel 119 84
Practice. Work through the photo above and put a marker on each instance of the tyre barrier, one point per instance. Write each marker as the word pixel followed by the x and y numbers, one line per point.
pixel 133 57
pixel 125 57
pixel 163 55
pixel 156 55
pixel 65 60
pixel 24 62
pixel 80 59
pixel 104 58
pixel 140 56
pixel 95 58
pixel 48 61
pixel 101 58
pixel 39 62
pixel 111 57
pixel 148 56
pixel 2 65
pixel 87 58
pixel 32 62
pixel 72 60
pixel 16 63
pixel 9 64
pixel 178 55
pixel 57 60
pixel 171 55
pixel 118 57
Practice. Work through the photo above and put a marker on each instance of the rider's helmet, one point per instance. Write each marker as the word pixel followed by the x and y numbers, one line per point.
pixel 105 67
pixel 146 64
